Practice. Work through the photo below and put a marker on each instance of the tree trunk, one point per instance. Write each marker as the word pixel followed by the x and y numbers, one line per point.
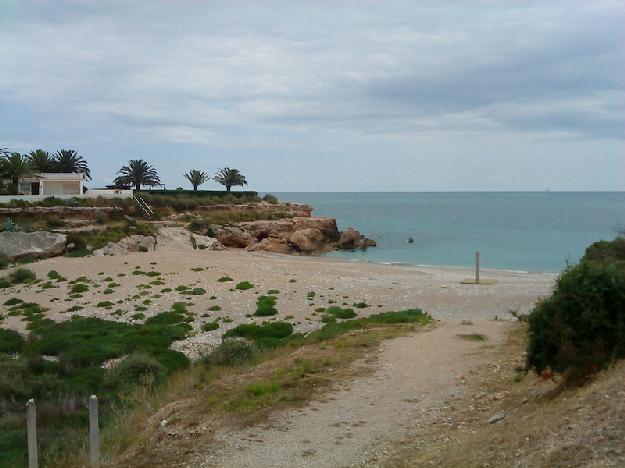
pixel 137 186
pixel 228 188
pixel 195 188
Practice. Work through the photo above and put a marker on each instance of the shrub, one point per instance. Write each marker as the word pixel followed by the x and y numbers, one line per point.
pixel 4 262
pixel 337 312
pixel 101 217
pixel 54 221
pixel 254 332
pixel 269 198
pixel 79 288
pixel 225 279
pixel 265 306
pixel 13 301
pixel 22 276
pixel 581 327
pixel 135 368
pixel 53 274
pixel 210 326
pixel 214 308
pixel 244 285
pixel 10 341
pixel 230 353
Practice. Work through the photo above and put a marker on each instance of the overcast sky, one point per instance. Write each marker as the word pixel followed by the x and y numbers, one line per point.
pixel 324 95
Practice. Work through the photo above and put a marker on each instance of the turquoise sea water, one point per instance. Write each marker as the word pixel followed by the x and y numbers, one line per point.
pixel 529 231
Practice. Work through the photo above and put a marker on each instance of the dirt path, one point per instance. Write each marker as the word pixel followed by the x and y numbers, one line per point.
pixel 415 376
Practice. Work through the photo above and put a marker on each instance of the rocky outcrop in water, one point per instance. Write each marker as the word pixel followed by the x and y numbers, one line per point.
pixel 304 235
pixel 16 245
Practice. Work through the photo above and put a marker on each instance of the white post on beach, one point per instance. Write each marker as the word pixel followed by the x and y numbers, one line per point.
pixel 31 431
pixel 94 432
pixel 477 268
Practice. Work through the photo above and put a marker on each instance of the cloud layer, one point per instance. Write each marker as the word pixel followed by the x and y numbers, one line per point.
pixel 261 83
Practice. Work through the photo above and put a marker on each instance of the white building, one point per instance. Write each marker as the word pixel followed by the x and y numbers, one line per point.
pixel 52 183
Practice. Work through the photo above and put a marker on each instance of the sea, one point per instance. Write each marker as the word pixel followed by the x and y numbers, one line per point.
pixel 519 231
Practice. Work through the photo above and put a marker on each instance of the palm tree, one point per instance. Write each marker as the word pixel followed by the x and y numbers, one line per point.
pixel 138 173
pixel 196 178
pixel 14 166
pixel 69 161
pixel 230 178
pixel 41 161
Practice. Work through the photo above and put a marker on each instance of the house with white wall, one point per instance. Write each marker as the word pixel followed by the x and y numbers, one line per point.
pixel 52 183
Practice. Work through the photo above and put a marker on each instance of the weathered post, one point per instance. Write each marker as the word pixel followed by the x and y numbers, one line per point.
pixel 31 431
pixel 94 432
pixel 477 268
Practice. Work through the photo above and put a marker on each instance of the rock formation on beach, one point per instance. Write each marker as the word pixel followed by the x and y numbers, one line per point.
pixel 304 235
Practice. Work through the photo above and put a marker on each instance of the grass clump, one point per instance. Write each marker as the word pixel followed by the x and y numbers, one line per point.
pixel 13 301
pixel 268 334
pixel 266 306
pixel 244 285
pixel 19 276
pixel 214 308
pixel 210 326
pixel 340 313
pixel 79 288
pixel 225 279
pixel 53 274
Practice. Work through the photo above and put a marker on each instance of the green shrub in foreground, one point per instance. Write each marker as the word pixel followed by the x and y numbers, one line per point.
pixel 581 327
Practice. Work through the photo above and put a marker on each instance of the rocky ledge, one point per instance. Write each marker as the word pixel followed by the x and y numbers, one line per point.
pixel 305 235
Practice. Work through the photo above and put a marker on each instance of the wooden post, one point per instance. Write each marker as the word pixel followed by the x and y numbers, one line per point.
pixel 31 431
pixel 477 268
pixel 94 432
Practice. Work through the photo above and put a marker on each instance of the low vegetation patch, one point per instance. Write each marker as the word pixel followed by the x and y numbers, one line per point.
pixel 61 387
pixel 266 306
pixel 244 285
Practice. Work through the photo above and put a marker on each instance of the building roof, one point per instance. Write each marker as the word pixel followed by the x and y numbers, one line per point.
pixel 61 176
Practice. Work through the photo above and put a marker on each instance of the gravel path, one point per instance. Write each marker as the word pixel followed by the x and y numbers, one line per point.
pixel 415 377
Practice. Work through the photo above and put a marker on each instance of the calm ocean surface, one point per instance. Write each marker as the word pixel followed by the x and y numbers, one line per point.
pixel 529 231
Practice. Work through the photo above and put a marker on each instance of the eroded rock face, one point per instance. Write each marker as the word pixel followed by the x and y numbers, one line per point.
pixel 271 245
pixel 232 236
pixel 351 239
pixel 127 245
pixel 179 239
pixel 15 245
pixel 310 240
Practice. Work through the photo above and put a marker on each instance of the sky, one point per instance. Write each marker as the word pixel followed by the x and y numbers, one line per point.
pixel 319 95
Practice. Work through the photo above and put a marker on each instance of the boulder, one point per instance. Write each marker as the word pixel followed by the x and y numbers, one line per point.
pixel 309 240
pixel 351 239
pixel 232 236
pixel 326 225
pixel 15 245
pixel 127 245
pixel 179 239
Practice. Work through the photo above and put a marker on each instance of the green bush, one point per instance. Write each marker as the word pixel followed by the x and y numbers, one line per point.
pixel 581 327
pixel 53 274
pixel 210 326
pixel 230 353
pixel 10 341
pixel 79 288
pixel 266 306
pixel 22 276
pixel 275 330
pixel 4 262
pixel 338 312
pixel 244 285
pixel 136 368
pixel 269 198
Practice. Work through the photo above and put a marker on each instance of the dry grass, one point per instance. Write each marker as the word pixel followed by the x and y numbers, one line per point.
pixel 545 424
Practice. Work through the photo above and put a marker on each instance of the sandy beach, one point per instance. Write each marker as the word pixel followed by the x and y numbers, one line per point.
pixel 436 290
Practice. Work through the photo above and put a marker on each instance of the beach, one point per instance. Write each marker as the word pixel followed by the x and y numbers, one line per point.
pixel 302 285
